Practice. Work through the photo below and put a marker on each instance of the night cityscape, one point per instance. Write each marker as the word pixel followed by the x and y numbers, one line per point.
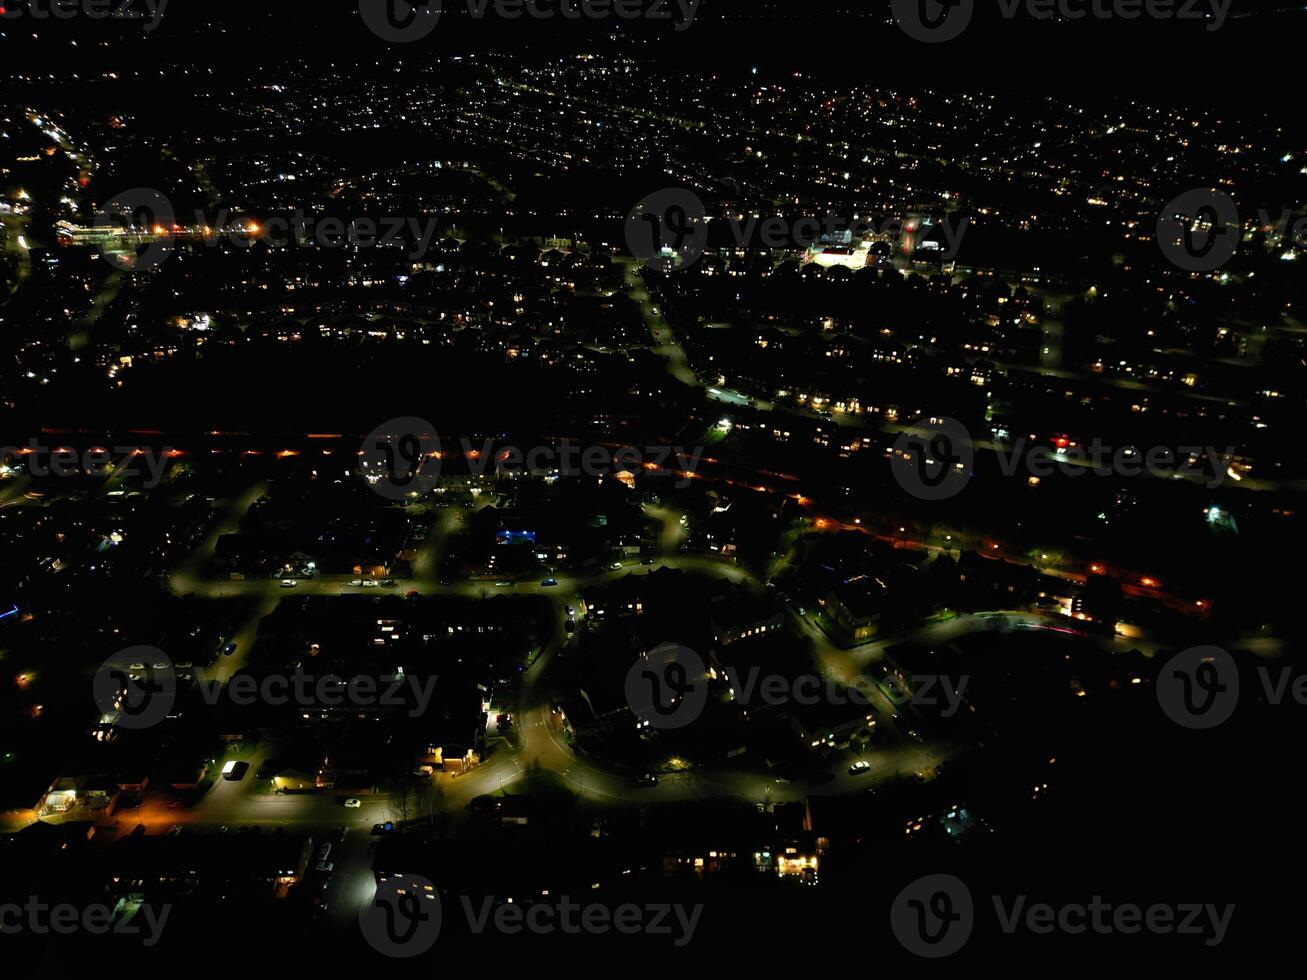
pixel 611 485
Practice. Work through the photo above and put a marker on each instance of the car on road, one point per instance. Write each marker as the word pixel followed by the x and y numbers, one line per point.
pixel 356 582
pixel 915 735
pixel 646 561
pixel 615 566
pixel 288 583
pixel 352 804
pixel 648 779
pixel 235 771
pixel 859 767
pixel 229 649
pixel 549 582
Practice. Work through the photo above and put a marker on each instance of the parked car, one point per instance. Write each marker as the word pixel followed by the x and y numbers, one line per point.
pixel 648 779
pixel 288 583
pixel 235 771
